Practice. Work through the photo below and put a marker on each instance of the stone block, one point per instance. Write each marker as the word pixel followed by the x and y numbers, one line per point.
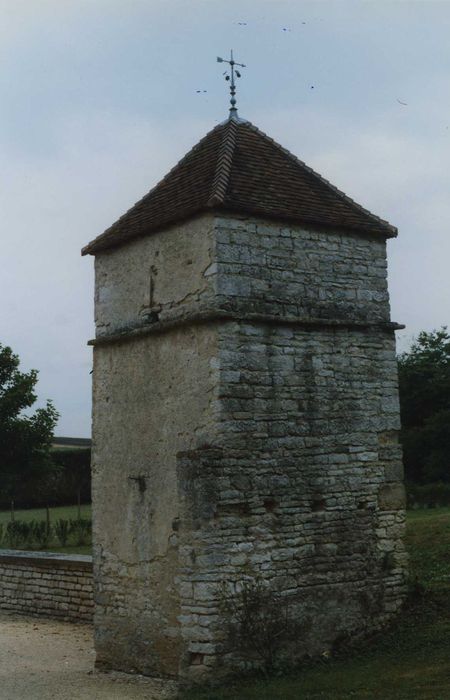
pixel 391 497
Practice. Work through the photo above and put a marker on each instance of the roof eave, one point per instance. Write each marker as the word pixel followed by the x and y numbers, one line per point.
pixel 101 244
pixel 384 228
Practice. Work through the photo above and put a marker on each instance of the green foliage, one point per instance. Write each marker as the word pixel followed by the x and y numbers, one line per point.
pixel 67 481
pixel 41 533
pixel 31 473
pixel 433 495
pixel 27 535
pixel 38 534
pixel 81 531
pixel 74 475
pixel 258 621
pixel 424 382
pixel 25 440
pixel 17 534
pixel 62 530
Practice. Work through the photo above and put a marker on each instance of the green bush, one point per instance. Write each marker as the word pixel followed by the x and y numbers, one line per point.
pixel 62 530
pixel 81 531
pixel 70 482
pixel 74 482
pixel 19 534
pixel 424 387
pixel 41 533
pixel 257 620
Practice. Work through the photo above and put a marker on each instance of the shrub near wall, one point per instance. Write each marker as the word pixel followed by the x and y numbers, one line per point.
pixel 40 534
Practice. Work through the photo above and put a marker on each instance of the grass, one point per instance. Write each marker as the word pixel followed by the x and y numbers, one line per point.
pixel 408 662
pixel 67 512
pixel 64 512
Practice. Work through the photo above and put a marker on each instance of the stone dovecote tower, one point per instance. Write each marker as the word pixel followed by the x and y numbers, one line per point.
pixel 245 409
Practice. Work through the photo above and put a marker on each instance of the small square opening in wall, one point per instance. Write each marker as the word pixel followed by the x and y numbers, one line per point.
pixel 318 504
pixel 196 659
pixel 270 504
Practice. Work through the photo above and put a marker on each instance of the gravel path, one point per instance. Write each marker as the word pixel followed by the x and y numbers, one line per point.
pixel 45 659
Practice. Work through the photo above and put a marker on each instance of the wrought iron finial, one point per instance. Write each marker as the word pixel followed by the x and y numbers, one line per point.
pixel 229 76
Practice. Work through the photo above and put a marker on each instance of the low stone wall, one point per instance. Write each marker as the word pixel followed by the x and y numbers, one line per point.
pixel 47 584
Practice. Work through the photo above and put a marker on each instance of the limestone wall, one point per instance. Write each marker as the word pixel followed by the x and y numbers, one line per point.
pixel 293 271
pixel 48 585
pixel 303 488
pixel 152 398
pixel 258 439
pixel 169 270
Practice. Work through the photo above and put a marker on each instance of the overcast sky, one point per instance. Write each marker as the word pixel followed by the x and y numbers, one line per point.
pixel 98 99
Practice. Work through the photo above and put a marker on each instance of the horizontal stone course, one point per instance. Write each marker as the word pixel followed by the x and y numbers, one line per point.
pixel 46 584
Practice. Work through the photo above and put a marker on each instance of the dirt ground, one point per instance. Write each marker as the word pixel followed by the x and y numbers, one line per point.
pixel 45 659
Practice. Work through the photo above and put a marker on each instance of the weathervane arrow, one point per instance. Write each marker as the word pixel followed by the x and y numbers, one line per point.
pixel 230 76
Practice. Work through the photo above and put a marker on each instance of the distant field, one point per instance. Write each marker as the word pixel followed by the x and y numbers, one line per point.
pixel 62 512
pixel 408 662
pixel 67 512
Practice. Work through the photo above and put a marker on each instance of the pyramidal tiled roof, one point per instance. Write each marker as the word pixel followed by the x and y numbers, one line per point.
pixel 237 168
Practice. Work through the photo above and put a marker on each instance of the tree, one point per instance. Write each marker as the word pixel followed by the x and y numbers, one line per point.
pixel 75 474
pixel 25 440
pixel 424 383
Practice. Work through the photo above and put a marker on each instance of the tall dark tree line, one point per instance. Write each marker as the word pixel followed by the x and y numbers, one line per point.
pixel 424 383
pixel 25 440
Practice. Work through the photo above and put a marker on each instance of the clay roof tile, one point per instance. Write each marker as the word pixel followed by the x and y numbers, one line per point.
pixel 237 168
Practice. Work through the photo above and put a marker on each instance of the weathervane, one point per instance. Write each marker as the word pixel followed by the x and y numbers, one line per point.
pixel 230 77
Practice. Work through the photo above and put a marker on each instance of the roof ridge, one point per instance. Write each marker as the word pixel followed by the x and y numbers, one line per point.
pixel 110 230
pixel 326 182
pixel 224 163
